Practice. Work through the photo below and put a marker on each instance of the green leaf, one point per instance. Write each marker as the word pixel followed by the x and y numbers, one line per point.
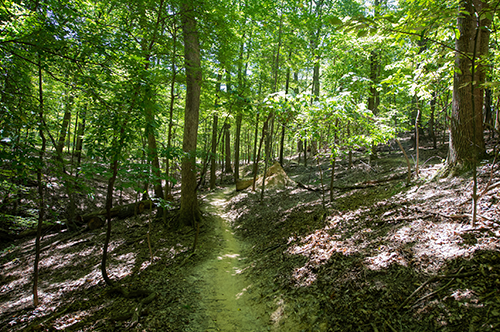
pixel 334 20
pixel 362 33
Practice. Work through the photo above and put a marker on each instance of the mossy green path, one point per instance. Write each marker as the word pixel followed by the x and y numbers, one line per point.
pixel 227 298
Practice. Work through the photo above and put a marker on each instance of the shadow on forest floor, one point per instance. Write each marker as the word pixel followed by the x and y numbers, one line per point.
pixel 382 256
pixel 356 265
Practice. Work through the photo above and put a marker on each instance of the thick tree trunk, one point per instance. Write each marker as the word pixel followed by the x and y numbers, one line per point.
pixel 168 183
pixel 466 135
pixel 189 212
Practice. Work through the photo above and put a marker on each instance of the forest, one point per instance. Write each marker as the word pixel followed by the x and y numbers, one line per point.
pixel 250 165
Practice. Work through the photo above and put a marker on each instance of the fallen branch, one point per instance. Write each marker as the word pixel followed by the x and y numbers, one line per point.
pixel 120 211
pixel 304 186
pixel 434 278
pixel 435 292
pixel 371 183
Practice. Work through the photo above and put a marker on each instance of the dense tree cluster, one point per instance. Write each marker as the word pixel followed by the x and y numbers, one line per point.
pixel 149 93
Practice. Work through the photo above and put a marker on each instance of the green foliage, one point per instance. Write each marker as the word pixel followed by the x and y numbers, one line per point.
pixel 115 61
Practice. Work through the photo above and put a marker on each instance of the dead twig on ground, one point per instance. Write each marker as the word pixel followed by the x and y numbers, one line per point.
pixel 434 278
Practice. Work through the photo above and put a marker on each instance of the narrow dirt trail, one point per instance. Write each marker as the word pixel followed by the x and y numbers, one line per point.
pixel 226 295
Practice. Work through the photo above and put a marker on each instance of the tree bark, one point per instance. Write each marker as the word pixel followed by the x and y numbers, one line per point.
pixel 466 134
pixel 41 188
pixel 189 212
pixel 168 184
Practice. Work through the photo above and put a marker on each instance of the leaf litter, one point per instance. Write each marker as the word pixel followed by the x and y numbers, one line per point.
pixel 381 258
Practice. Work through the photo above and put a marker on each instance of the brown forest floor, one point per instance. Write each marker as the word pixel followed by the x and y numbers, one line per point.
pixel 356 264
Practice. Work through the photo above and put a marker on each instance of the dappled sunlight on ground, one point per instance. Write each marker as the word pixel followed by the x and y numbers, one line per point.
pixel 70 270
pixel 372 247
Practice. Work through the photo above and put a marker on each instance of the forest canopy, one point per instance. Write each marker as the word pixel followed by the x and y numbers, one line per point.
pixel 164 99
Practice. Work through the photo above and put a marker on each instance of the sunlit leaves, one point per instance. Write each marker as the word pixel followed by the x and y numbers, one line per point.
pixel 334 20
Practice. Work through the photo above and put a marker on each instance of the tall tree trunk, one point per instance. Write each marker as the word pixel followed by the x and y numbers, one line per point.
pixel 168 184
pixel 41 188
pixel 269 136
pixel 152 151
pixel 315 92
pixel 240 105
pixel 117 151
pixel 213 166
pixel 189 212
pixel 148 94
pixel 466 135
pixel 374 97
